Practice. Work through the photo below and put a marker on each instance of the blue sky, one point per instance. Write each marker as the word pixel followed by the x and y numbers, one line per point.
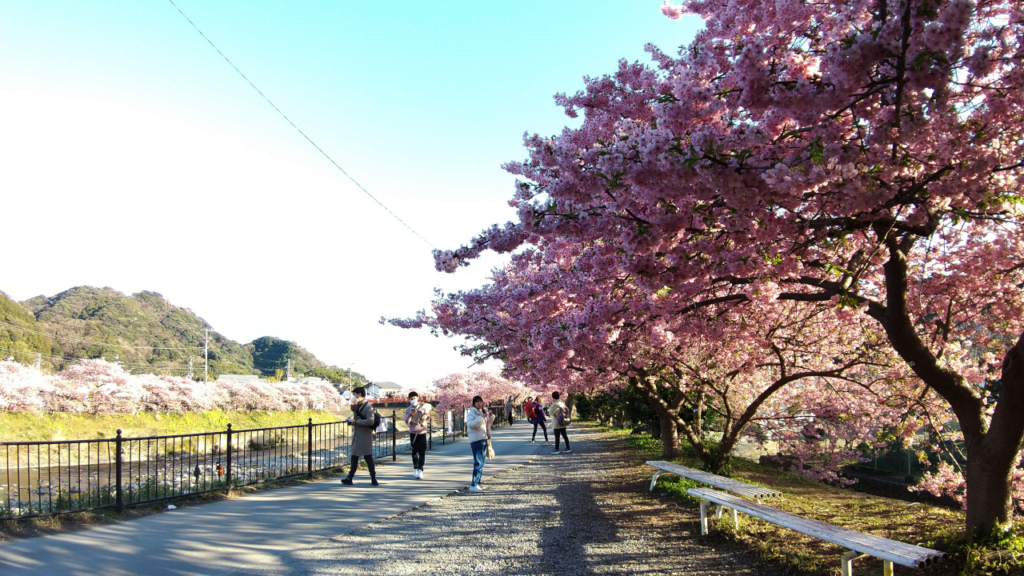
pixel 133 156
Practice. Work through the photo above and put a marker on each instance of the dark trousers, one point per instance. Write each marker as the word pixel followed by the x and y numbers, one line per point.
pixel 543 426
pixel 561 432
pixel 418 442
pixel 369 464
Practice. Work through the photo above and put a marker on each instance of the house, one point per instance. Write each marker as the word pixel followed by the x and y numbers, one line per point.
pixel 382 389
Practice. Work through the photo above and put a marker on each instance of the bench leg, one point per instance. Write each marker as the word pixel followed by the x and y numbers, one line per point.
pixel 654 480
pixel 735 520
pixel 846 565
pixel 704 517
pixel 886 568
pixel 718 511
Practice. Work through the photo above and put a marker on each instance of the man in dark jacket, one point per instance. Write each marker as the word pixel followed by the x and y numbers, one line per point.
pixel 362 435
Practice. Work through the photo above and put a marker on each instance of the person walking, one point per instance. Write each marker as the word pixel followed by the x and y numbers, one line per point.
pixel 509 407
pixel 561 417
pixel 417 416
pixel 362 436
pixel 479 424
pixel 538 419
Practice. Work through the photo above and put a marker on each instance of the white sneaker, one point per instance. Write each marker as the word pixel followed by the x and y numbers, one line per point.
pixel 416 474
pixel 475 488
pixel 556 452
pixel 567 451
pixel 532 443
pixel 420 474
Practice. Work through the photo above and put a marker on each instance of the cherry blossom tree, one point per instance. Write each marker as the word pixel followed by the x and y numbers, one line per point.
pixel 100 387
pixel 559 316
pixel 864 153
pixel 456 391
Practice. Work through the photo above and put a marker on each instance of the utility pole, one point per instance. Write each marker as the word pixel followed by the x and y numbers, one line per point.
pixel 189 367
pixel 39 361
pixel 206 357
pixel 288 371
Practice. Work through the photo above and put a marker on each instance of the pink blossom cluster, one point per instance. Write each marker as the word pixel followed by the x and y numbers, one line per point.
pixel 456 391
pixel 858 156
pixel 100 387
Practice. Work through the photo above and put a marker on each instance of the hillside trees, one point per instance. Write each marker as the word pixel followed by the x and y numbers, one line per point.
pixel 337 375
pixel 863 153
pixel 18 339
pixel 270 354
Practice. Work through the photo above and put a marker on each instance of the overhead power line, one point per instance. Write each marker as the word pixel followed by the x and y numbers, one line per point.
pixel 299 130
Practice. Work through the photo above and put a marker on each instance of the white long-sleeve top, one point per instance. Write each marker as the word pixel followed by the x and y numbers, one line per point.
pixel 478 425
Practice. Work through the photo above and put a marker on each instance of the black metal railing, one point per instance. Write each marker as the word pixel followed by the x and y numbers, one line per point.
pixel 59 477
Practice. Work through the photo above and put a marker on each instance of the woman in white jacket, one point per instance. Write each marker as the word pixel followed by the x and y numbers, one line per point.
pixel 479 424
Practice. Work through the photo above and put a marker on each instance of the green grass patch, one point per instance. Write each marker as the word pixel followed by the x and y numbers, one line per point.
pixel 28 426
pixel 930 526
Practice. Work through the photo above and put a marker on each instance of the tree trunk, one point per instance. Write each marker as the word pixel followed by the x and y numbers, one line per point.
pixel 669 436
pixel 666 417
pixel 992 457
pixel 992 444
pixel 989 493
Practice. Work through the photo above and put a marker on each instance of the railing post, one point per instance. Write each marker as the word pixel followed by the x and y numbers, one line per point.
pixel 309 450
pixel 394 437
pixel 228 475
pixel 119 493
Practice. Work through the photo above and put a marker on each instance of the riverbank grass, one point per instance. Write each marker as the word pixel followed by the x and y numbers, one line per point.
pixel 39 426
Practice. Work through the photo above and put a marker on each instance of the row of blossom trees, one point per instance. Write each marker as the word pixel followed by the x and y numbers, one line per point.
pixel 100 387
pixel 821 196
pixel 457 390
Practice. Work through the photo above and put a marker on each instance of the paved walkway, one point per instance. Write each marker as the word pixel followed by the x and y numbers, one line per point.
pixel 257 533
pixel 583 514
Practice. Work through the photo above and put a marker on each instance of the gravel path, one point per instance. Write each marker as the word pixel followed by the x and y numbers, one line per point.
pixel 577 514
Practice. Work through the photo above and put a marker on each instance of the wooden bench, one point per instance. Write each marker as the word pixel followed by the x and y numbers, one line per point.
pixel 728 484
pixel 858 544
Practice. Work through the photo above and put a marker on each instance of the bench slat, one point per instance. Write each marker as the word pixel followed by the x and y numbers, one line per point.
pixel 892 550
pixel 727 484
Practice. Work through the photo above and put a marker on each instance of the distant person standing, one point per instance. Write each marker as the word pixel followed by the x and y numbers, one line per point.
pixel 363 425
pixel 535 416
pixel 417 416
pixel 479 423
pixel 509 408
pixel 561 418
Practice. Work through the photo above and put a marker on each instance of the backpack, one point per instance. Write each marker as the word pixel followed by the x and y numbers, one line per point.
pixel 562 416
pixel 380 423
pixel 531 411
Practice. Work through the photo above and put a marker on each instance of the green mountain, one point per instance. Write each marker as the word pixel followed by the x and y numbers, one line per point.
pixel 144 332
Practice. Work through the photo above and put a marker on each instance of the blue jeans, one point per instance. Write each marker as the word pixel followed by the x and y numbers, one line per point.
pixel 479 458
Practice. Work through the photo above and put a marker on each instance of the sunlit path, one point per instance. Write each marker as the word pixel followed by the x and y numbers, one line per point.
pixel 258 531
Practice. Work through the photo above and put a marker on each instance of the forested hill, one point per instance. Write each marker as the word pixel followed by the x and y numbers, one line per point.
pixel 144 332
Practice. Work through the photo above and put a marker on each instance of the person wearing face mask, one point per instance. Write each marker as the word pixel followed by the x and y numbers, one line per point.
pixel 362 436
pixel 417 416
pixel 479 423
